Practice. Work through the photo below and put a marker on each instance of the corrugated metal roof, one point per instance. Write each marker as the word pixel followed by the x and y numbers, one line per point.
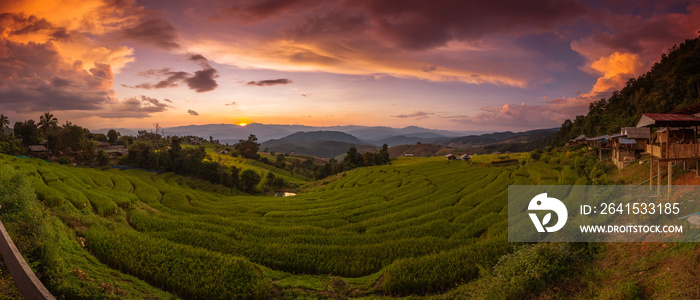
pixel 602 137
pixel 627 141
pixel 672 117
pixel 671 120
pixel 636 133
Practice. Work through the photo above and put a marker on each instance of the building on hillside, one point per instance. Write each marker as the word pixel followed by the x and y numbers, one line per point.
pixel 675 140
pixel 577 141
pixel 629 145
pixel 116 151
pixel 465 157
pixel 408 155
pixel 450 156
pixel 38 150
pixel 602 142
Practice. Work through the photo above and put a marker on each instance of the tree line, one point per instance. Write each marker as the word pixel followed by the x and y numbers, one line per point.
pixel 672 83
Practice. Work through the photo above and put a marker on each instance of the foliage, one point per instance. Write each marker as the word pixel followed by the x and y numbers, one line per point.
pixel 190 272
pixel 672 83
pixel 248 148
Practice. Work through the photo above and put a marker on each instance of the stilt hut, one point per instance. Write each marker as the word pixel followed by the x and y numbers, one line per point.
pixel 675 139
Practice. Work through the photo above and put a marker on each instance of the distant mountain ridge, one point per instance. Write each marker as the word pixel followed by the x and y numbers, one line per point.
pixel 325 144
pixel 230 133
pixel 499 137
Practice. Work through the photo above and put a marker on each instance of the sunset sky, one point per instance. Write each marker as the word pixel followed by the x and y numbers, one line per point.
pixel 455 65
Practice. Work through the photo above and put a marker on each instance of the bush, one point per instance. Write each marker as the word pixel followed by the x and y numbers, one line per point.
pixel 64 160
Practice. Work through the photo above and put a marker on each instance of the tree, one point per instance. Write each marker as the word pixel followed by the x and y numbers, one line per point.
pixel 4 123
pixel 157 126
pixel 113 136
pixel 102 158
pixel 28 132
pixel 249 179
pixel 248 148
pixel 46 122
pixel 369 159
pixel 353 159
pixel 383 155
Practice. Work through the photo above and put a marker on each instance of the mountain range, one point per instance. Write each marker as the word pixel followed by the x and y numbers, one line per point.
pixel 230 133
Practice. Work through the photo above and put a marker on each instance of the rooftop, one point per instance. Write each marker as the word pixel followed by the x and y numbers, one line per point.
pixel 668 120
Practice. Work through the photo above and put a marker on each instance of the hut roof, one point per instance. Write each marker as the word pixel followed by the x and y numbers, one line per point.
pixel 624 141
pixel 636 133
pixel 37 148
pixel 670 120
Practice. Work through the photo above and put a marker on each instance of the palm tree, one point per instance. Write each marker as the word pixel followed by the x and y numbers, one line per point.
pixel 47 121
pixel 4 123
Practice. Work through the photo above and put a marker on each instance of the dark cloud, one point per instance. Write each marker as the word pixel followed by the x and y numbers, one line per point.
pixel 155 30
pixel 255 11
pixel 35 77
pixel 232 103
pixel 430 69
pixel 19 24
pixel 192 112
pixel 135 107
pixel 409 24
pixel 201 81
pixel 270 82
pixel 417 115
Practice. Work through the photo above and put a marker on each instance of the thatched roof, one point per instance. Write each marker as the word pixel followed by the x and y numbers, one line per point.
pixel 37 148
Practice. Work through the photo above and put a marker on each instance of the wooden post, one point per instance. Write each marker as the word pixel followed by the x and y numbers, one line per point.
pixel 651 172
pixel 658 178
pixel 668 140
pixel 670 176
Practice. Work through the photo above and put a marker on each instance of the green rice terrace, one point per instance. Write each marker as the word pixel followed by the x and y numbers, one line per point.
pixel 417 227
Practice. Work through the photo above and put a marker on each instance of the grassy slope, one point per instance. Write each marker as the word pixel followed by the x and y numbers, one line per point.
pixel 381 228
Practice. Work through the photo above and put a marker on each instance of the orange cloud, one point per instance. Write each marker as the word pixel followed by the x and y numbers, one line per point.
pixel 615 69
pixel 287 55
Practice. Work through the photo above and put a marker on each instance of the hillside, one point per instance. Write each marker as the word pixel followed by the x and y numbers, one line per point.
pixel 348 221
pixel 325 144
pixel 672 83
pixel 499 137
pixel 232 133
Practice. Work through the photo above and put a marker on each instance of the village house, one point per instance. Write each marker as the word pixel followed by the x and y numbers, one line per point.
pixel 38 150
pixel 577 141
pixel 601 142
pixel 629 145
pixel 675 140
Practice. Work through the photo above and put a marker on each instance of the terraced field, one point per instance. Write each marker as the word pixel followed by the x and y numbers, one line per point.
pixel 417 226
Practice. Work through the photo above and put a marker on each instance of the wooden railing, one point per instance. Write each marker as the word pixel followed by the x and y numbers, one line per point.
pixel 27 283
pixel 675 151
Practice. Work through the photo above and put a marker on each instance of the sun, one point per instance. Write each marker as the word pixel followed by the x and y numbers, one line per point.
pixel 242 124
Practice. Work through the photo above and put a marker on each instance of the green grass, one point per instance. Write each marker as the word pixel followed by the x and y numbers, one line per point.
pixel 416 226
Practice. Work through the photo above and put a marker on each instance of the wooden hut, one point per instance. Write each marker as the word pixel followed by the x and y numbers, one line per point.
pixel 629 145
pixel 577 141
pixel 676 139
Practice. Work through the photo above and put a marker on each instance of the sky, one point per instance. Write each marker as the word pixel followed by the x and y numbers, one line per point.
pixel 453 64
